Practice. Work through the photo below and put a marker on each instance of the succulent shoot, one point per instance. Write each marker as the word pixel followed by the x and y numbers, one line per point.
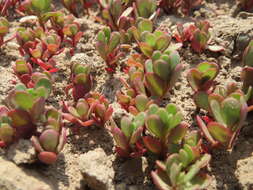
pixel 229 109
pixel 133 103
pixel 247 72
pixel 52 139
pixel 156 76
pixel 146 9
pixel 108 47
pixel 183 6
pixel 76 7
pixel 201 79
pixel 182 171
pixel 36 7
pixel 198 35
pixel 4 29
pixel 147 40
pixel 93 110
pixel 81 81
pixel 128 136
pixel 165 128
pixel 7 131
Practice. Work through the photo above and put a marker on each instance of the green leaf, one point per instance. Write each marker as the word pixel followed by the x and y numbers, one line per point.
pixel 219 132
pixel 23 100
pixel 155 126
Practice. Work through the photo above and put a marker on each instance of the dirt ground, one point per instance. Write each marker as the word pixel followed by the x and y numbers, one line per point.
pixel 229 170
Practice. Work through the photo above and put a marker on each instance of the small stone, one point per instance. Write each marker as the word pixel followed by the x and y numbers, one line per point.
pixel 14 177
pixel 22 152
pixel 97 169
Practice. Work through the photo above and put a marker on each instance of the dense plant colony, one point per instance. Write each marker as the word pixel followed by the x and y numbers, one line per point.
pixel 152 72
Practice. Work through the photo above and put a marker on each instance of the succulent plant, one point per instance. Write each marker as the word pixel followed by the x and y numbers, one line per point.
pixel 52 139
pixel 247 72
pixel 108 47
pixel 246 5
pixel 183 6
pixel 128 136
pixel 201 79
pixel 146 9
pixel 229 109
pixel 72 35
pixel 36 7
pixel 7 131
pixel 198 35
pixel 6 5
pixel 154 77
pixel 149 41
pixel 133 103
pixel 4 29
pixel 77 6
pixel 92 110
pixel 164 127
pixel 182 171
pixel 81 80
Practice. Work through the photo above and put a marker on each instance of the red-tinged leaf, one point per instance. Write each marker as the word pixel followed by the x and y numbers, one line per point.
pixel 77 37
pixel 62 140
pixel 86 123
pixel 49 140
pixel 19 117
pixel 152 144
pixel 156 86
pixel 178 133
pixel 146 49
pixel 2 144
pixel 121 152
pixel 133 110
pixel 36 144
pixel 205 131
pixel 219 132
pixel 108 114
pixel 47 157
pixel 160 184
pixel 120 138
pixel 25 78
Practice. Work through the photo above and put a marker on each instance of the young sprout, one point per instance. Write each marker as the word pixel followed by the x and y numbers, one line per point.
pixel 198 35
pixel 179 171
pixel 92 110
pixel 183 6
pixel 128 136
pixel 108 47
pixel 201 79
pixel 247 72
pixel 229 109
pixel 147 40
pixel 76 7
pixel 165 128
pixel 52 139
pixel 36 7
pixel 4 29
pixel 81 81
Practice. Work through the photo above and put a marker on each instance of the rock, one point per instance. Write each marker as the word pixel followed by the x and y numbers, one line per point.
pixel 96 168
pixel 22 152
pixel 16 178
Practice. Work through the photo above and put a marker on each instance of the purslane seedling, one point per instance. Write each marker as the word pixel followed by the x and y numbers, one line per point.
pixel 201 79
pixel 128 136
pixel 229 110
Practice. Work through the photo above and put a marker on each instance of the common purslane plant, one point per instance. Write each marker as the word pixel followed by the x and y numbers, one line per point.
pixel 156 76
pixel 198 35
pixel 133 103
pixel 76 7
pixel 182 170
pixel 201 79
pixel 247 72
pixel 108 47
pixel 4 29
pixel 149 40
pixel 52 139
pixel 92 110
pixel 165 128
pixel 81 81
pixel 229 109
pixel 183 6
pixel 128 136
